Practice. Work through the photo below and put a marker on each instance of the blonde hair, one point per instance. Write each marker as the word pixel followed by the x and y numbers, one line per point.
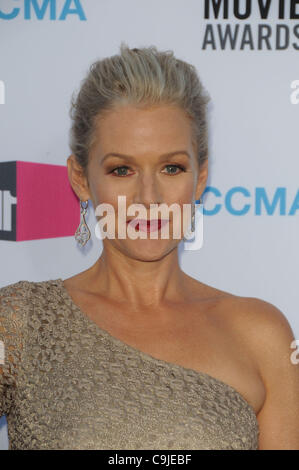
pixel 142 77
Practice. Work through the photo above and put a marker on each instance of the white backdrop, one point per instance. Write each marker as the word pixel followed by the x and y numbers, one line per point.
pixel 254 128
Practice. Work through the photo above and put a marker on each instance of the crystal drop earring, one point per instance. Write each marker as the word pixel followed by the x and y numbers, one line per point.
pixel 192 220
pixel 82 234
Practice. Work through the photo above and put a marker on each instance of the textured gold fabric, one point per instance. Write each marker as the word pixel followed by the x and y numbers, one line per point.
pixel 68 384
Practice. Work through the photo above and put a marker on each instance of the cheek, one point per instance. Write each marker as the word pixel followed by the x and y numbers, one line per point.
pixel 180 195
pixel 103 193
pixel 181 189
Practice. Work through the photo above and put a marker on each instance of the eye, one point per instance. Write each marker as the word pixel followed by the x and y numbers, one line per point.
pixel 119 168
pixel 180 167
pixel 124 168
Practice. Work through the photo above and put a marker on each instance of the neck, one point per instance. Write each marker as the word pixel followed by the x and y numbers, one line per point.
pixel 140 283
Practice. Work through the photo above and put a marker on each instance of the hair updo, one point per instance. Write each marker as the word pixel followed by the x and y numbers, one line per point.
pixel 141 77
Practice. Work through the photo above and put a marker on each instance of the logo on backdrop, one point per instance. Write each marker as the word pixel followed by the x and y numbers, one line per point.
pixel 239 201
pixel 36 201
pixel 234 32
pixel 43 9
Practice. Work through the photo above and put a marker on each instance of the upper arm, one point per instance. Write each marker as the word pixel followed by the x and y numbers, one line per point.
pixel 273 344
pixel 12 318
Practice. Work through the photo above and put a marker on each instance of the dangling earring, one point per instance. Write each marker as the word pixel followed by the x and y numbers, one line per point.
pixel 192 220
pixel 82 234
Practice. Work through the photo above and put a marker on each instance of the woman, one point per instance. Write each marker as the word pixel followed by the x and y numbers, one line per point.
pixel 133 353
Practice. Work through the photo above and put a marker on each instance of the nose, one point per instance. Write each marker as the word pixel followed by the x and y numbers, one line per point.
pixel 148 190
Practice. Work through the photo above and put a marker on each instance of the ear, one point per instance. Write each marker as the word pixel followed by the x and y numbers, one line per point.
pixel 202 179
pixel 77 178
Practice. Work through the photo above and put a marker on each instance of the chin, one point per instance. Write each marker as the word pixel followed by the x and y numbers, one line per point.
pixel 149 250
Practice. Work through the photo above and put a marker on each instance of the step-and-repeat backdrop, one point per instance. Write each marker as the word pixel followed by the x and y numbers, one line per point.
pixel 247 56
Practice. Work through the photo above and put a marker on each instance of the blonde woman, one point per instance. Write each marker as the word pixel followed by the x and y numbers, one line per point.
pixel 133 353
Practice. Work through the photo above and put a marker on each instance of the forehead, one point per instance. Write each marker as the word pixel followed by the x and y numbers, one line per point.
pixel 131 129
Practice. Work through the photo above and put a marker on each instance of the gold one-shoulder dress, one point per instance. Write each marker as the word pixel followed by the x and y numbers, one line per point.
pixel 65 383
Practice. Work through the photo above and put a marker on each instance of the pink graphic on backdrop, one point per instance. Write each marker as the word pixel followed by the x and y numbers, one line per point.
pixel 47 206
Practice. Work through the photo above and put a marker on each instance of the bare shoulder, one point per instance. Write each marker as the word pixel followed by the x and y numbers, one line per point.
pixel 272 341
pixel 256 318
pixel 259 326
pixel 268 333
pixel 263 320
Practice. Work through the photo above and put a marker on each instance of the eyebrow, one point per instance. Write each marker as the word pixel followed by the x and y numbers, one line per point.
pixel 130 157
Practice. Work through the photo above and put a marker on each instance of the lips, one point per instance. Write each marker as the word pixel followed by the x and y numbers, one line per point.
pixel 147 225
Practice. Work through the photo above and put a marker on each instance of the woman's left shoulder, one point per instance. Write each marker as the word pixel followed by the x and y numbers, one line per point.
pixel 264 327
pixel 268 333
pixel 252 317
pixel 259 313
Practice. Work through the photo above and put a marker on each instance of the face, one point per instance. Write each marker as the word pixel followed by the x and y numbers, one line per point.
pixel 143 172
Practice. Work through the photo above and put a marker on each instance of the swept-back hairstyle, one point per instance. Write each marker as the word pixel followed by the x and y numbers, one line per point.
pixel 142 77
